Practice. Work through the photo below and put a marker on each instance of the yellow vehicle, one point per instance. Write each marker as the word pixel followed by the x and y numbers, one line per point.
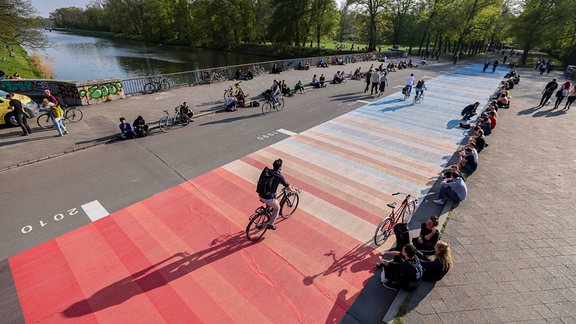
pixel 7 116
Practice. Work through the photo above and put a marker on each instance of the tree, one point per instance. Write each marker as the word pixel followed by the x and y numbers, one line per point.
pixel 531 24
pixel 19 24
pixel 371 8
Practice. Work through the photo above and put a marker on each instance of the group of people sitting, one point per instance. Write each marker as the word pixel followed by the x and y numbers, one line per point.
pixel 426 259
pixel 139 128
pixel 236 99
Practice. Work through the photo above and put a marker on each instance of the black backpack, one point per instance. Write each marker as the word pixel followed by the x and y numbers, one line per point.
pixel 264 185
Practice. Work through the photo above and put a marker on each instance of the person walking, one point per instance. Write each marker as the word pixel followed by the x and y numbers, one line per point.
pixel 494 66
pixel 16 106
pixel 548 91
pixel 383 83
pixel 368 78
pixel 486 65
pixel 375 82
pixel 562 92
pixel 55 115
pixel 571 97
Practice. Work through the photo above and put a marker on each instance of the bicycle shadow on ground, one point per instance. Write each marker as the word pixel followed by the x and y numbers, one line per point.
pixel 232 119
pixel 351 97
pixel 158 275
pixel 17 137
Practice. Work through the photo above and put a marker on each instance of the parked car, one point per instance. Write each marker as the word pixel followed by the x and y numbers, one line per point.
pixel 7 116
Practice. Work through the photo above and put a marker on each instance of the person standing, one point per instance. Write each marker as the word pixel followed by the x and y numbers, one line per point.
pixel 375 81
pixel 383 83
pixel 16 106
pixel 571 97
pixel 548 91
pixel 368 78
pixel 486 64
pixel 562 92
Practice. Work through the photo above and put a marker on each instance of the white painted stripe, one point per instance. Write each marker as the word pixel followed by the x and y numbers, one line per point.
pixel 95 210
pixel 287 132
pixel 363 101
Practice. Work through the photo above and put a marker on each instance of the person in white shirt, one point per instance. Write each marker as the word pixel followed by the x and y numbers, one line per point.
pixel 375 82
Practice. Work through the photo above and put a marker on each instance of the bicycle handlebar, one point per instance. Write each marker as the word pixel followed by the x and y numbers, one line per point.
pixel 401 193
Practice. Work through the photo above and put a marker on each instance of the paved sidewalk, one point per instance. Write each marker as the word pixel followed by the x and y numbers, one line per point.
pixel 513 239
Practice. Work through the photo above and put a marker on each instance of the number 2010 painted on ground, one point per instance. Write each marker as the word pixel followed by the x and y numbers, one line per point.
pixel 58 217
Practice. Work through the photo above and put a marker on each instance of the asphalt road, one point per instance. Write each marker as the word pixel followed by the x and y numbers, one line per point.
pixel 44 200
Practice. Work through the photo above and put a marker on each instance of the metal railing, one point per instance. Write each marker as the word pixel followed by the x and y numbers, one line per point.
pixel 213 75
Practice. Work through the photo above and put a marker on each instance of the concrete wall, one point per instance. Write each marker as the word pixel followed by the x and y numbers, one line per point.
pixel 74 93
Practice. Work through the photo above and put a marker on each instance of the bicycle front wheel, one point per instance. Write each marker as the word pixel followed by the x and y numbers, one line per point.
pixel 257 226
pixel 383 231
pixel 165 85
pixel 74 115
pixel 408 211
pixel 164 124
pixel 149 88
pixel 44 121
pixel 227 94
pixel 184 120
pixel 289 204
pixel 280 105
pixel 266 107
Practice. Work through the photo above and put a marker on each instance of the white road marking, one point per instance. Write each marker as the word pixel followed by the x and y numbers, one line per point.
pixel 287 132
pixel 363 101
pixel 95 210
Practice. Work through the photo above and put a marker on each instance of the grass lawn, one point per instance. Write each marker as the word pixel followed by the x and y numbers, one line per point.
pixel 20 63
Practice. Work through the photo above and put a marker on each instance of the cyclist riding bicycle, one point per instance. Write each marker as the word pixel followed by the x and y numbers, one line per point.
pixel 275 92
pixel 267 187
pixel 409 84
pixel 420 87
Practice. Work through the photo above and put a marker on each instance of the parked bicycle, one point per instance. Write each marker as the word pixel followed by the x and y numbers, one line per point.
pixel 268 105
pixel 217 76
pixel 156 84
pixel 168 121
pixel 232 90
pixel 259 220
pixel 402 214
pixel 258 70
pixel 71 114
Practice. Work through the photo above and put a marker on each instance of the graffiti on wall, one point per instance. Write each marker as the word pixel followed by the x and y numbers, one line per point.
pixel 100 92
pixel 35 89
pixel 25 87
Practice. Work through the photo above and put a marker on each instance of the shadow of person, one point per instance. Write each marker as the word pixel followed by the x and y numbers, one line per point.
pixel 157 275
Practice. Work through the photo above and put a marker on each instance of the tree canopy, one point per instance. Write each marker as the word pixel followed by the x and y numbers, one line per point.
pixel 449 26
pixel 20 25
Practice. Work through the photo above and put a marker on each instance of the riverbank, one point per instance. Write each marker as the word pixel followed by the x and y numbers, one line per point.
pixel 27 66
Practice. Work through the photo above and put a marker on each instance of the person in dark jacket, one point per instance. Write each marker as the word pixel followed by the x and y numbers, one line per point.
pixel 429 235
pixel 440 264
pixel 405 273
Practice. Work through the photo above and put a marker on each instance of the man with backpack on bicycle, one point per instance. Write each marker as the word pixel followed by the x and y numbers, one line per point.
pixel 420 87
pixel 409 84
pixel 268 185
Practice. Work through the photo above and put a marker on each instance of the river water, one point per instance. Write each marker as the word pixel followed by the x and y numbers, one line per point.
pixel 77 57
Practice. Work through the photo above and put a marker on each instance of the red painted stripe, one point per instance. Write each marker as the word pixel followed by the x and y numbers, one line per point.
pixel 326 192
pixel 301 242
pixel 108 285
pixel 45 284
pixel 152 278
pixel 199 288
